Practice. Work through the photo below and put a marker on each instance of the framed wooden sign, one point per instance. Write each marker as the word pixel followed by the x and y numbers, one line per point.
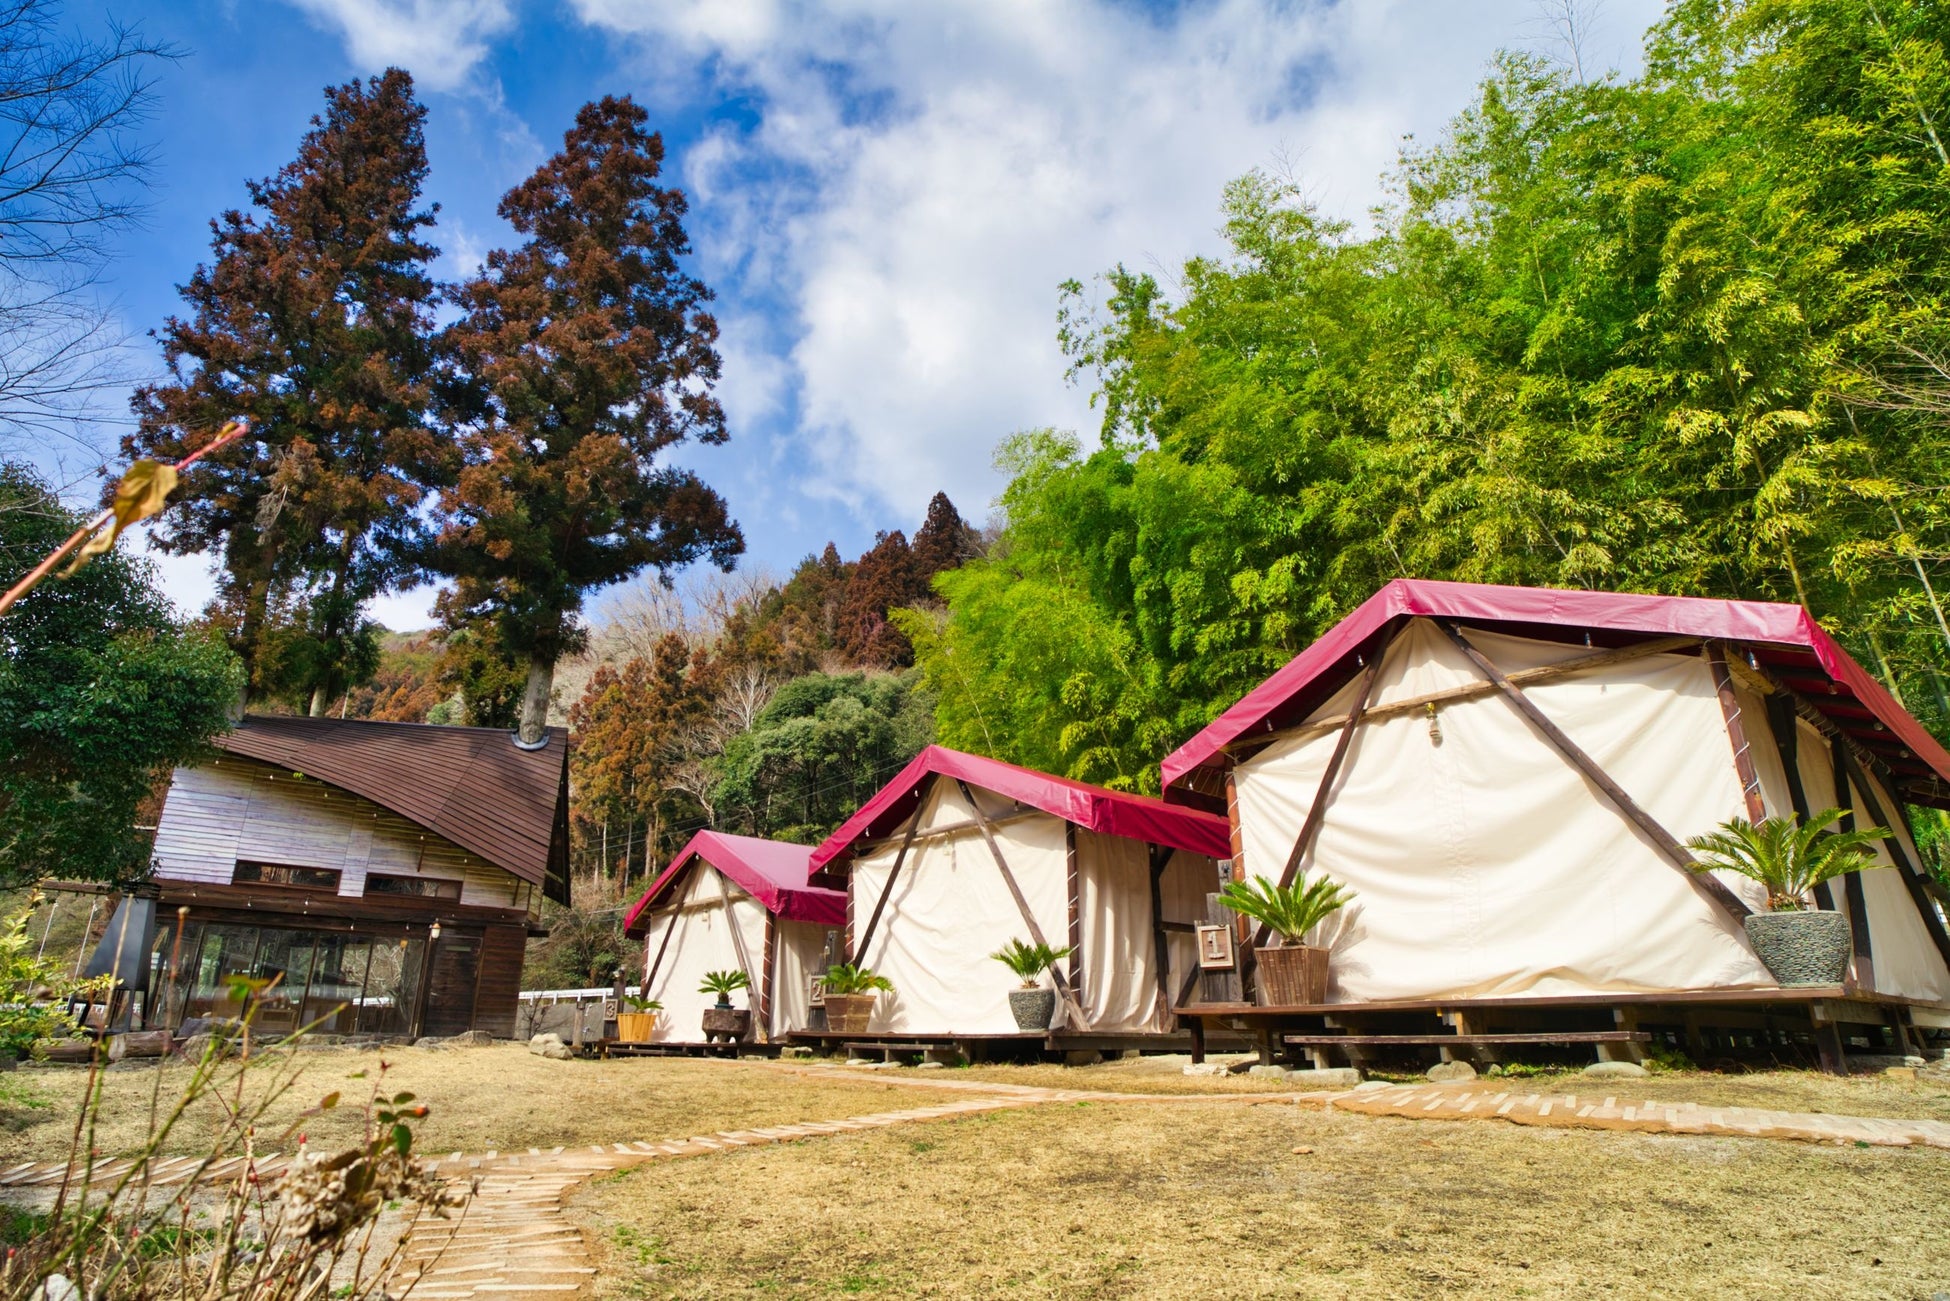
pixel 1215 948
pixel 816 991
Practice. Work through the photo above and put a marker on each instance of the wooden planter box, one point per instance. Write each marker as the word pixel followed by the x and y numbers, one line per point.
pixel 1291 975
pixel 636 1027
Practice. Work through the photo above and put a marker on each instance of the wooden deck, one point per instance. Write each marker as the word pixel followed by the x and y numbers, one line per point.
pixel 1825 1022
pixel 1008 1045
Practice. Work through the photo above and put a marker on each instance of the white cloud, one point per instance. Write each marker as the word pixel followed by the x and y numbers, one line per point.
pixel 921 177
pixel 438 41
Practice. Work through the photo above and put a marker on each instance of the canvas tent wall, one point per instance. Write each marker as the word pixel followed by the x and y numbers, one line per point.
pixel 1487 863
pixel 1085 861
pixel 734 903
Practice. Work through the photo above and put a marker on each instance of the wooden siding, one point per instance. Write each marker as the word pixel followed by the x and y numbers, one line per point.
pixel 497 990
pixel 235 808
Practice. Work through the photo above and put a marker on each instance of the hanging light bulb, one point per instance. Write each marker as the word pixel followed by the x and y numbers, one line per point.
pixel 433 932
pixel 1435 725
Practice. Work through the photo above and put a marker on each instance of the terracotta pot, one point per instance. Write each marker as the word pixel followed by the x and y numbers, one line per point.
pixel 848 1013
pixel 1032 1008
pixel 1802 948
pixel 1292 975
pixel 727 1022
pixel 636 1027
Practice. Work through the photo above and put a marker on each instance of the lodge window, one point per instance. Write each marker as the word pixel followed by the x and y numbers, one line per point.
pixel 302 878
pixel 418 887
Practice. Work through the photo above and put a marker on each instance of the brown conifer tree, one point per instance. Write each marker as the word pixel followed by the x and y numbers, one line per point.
pixel 583 354
pixel 313 319
pixel 884 579
pixel 944 542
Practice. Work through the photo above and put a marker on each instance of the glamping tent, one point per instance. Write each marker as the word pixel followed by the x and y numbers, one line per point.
pixel 959 855
pixel 1507 776
pixel 733 903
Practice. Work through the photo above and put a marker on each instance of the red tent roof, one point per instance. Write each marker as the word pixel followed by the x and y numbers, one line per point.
pixel 1112 813
pixel 1782 639
pixel 770 871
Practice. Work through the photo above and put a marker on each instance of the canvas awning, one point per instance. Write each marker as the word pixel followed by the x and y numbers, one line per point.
pixel 1783 640
pixel 770 871
pixel 1112 813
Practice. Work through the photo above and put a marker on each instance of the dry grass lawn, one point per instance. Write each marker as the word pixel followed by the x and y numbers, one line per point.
pixel 1212 1199
pixel 1859 1095
pixel 480 1098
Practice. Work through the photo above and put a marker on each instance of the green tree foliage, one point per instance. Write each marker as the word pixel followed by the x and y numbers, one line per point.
pixel 1645 335
pixel 101 695
pixel 823 745
pixel 314 319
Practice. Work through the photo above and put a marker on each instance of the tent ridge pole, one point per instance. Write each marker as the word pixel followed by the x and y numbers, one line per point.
pixel 1663 840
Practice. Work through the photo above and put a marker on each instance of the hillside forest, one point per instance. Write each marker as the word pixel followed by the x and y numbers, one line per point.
pixel 1678 332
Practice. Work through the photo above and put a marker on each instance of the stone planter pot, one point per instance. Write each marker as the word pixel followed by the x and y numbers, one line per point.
pixel 727 1022
pixel 1290 976
pixel 636 1027
pixel 848 1013
pixel 1802 948
pixel 1032 1008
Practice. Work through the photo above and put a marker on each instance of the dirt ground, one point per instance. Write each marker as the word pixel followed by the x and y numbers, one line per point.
pixel 1220 1199
pixel 1859 1095
pixel 480 1098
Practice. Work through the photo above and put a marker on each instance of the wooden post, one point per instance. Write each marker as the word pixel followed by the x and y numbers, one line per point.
pixel 1074 879
pixel 1743 758
pixel 1221 986
pixel 1864 973
pixel 907 841
pixel 1022 903
pixel 1160 856
pixel 1661 839
pixel 764 1017
pixel 1828 1040
pixel 1787 740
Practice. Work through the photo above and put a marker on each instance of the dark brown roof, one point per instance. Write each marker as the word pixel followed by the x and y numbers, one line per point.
pixel 469 785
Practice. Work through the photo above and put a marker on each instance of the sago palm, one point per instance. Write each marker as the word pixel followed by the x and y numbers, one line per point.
pixel 1787 856
pixel 1029 961
pixel 1291 910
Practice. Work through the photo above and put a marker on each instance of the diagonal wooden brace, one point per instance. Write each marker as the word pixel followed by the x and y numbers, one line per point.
pixel 1662 840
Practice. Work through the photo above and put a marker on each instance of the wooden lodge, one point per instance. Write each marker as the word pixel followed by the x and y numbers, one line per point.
pixel 386 875
pixel 1506 778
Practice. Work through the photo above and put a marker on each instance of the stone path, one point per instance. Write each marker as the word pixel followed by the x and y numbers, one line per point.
pixel 1623 1112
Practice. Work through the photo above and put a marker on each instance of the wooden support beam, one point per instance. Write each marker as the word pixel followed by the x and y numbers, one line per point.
pixel 669 930
pixel 859 951
pixel 1160 856
pixel 1787 741
pixel 1730 711
pixel 765 983
pixel 1474 690
pixel 1912 878
pixel 1661 839
pixel 1864 970
pixel 1073 882
pixel 1022 905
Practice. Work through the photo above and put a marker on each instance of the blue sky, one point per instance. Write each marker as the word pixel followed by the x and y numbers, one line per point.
pixel 884 194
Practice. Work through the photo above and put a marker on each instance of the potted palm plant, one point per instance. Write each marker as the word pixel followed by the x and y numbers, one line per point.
pixel 849 997
pixel 1291 973
pixel 1798 944
pixel 639 1024
pixel 721 1019
pixel 1032 1006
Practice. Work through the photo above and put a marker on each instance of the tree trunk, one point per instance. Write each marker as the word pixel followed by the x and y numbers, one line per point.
pixel 534 702
pixel 319 700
